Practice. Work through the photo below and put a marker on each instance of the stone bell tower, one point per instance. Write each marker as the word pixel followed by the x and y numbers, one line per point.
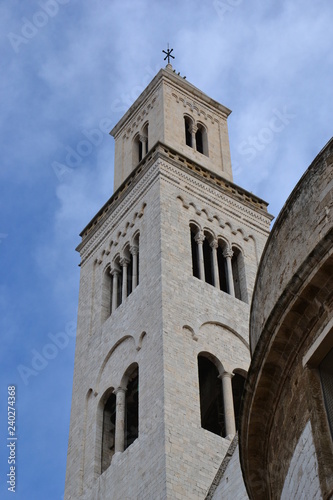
pixel 167 271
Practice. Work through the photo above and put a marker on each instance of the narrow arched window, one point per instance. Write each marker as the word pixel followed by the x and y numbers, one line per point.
pixel 195 252
pixel 132 408
pixel 188 131
pixel 222 266
pixel 108 432
pixel 208 259
pixel 201 140
pixel 211 397
pixel 238 273
pixel 238 382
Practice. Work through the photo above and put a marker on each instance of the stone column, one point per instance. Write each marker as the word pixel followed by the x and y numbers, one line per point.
pixel 199 239
pixel 115 274
pixel 228 255
pixel 124 263
pixel 144 143
pixel 228 401
pixel 134 251
pixel 193 129
pixel 120 419
pixel 214 245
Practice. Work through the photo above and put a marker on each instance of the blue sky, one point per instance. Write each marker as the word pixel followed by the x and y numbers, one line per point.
pixel 69 70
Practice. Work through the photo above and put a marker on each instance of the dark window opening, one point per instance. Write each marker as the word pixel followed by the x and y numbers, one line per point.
pixel 238 382
pixel 130 275
pixel 208 262
pixel 326 377
pixel 132 409
pixel 235 263
pixel 195 255
pixel 222 267
pixel 119 277
pixel 199 141
pixel 140 150
pixel 108 433
pixel 211 397
pixel 188 134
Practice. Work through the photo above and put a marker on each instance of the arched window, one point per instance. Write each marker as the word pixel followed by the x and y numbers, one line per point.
pixel 201 139
pixel 211 397
pixel 108 432
pixel 238 273
pixel 208 258
pixel 238 382
pixel 222 265
pixel 132 407
pixel 140 145
pixel 195 252
pixel 188 131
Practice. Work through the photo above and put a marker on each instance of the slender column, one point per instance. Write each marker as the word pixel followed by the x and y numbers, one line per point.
pixel 230 426
pixel 115 274
pixel 228 255
pixel 120 419
pixel 134 251
pixel 199 239
pixel 124 263
pixel 214 245
pixel 193 129
pixel 144 142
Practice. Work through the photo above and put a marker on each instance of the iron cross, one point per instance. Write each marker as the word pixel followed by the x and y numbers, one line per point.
pixel 168 54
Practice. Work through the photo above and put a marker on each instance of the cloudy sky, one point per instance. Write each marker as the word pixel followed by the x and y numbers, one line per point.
pixel 69 67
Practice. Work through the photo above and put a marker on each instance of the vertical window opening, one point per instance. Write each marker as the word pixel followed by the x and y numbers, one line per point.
pixel 132 409
pixel 238 382
pixel 235 272
pixel 198 139
pixel 130 275
pixel 208 262
pixel 188 134
pixel 140 150
pixel 195 253
pixel 223 272
pixel 211 397
pixel 108 433
pixel 238 273
pixel 326 378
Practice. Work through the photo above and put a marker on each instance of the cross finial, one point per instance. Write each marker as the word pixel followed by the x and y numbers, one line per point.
pixel 168 54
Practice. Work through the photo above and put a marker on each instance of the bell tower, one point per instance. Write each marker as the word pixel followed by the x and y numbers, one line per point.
pixel 167 272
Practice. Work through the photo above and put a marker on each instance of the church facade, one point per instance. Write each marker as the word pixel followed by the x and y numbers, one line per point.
pixel 168 267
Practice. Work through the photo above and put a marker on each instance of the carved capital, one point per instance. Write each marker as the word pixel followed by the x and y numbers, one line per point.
pixel 143 138
pixel 193 128
pixel 124 262
pixel 134 249
pixel 120 390
pixel 115 271
pixel 199 238
pixel 228 253
pixel 214 244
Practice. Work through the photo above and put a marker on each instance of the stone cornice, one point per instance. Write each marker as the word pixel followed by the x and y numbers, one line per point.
pixel 200 179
